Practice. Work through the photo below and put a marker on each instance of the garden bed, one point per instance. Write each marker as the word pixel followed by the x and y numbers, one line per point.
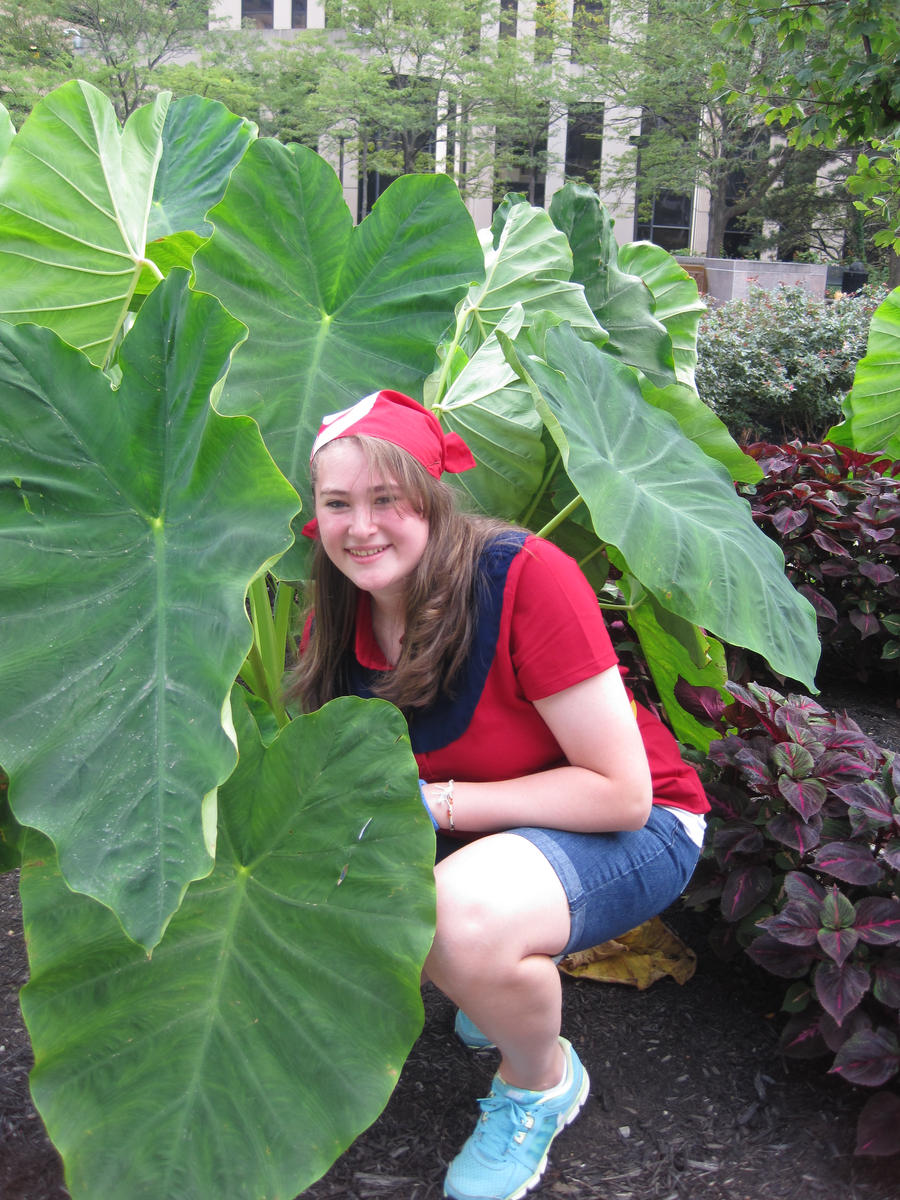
pixel 691 1098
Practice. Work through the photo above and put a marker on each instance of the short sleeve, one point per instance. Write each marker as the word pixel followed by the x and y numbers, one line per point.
pixel 558 636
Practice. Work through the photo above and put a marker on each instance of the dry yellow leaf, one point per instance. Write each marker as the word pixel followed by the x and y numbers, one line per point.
pixel 638 958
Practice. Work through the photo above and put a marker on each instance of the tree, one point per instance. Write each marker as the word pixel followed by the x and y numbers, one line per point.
pixel 836 75
pixel 124 41
pixel 659 64
pixel 36 55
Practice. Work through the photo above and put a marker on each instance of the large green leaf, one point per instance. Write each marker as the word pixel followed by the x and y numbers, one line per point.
pixel 7 130
pixel 676 301
pixel 671 511
pixel 334 311
pixel 75 193
pixel 673 649
pixel 270 1025
pixel 701 425
pixel 622 303
pixel 202 144
pixel 872 410
pixel 80 198
pixel 131 523
pixel 527 261
pixel 491 409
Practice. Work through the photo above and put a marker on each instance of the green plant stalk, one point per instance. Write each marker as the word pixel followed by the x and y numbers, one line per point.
pixel 461 319
pixel 265 658
pixel 561 516
pixel 545 483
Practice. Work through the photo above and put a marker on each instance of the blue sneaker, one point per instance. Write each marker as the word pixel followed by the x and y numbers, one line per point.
pixel 469 1033
pixel 506 1155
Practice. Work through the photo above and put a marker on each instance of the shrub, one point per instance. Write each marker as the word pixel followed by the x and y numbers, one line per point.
pixel 835 513
pixel 803 855
pixel 778 364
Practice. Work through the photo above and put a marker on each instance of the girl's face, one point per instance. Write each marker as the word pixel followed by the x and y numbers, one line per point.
pixel 368 528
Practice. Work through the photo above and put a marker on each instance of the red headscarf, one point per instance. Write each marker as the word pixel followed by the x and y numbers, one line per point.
pixel 404 422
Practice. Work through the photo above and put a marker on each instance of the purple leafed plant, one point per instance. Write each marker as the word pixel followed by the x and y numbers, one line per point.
pixel 803 857
pixel 835 512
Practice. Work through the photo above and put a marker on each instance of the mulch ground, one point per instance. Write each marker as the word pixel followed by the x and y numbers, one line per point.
pixel 691 1098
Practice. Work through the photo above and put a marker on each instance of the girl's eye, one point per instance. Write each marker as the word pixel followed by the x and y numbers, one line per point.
pixel 335 504
pixel 386 499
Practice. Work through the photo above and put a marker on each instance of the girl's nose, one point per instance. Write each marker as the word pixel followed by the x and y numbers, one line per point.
pixel 362 521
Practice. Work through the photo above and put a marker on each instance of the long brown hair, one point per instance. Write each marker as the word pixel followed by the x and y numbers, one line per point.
pixel 440 600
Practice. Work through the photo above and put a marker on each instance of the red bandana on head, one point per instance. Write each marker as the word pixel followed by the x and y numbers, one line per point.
pixel 393 417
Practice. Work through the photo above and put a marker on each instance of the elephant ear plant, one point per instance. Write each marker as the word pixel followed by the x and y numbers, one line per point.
pixel 227 905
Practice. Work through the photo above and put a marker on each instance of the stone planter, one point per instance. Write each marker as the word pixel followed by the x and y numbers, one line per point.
pixel 724 279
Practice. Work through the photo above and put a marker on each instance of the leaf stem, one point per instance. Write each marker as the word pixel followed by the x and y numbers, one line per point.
pixel 560 517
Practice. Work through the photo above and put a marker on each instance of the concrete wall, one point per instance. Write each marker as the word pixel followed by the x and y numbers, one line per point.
pixel 732 278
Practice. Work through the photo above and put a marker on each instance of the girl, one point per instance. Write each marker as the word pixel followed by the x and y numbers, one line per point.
pixel 563 812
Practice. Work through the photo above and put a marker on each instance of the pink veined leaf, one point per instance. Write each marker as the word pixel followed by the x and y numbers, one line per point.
pixel 890 852
pixel 786 520
pixel 704 703
pixel 741 838
pixel 836 911
pixel 829 545
pixel 838 944
pixel 886 980
pixel 870 1057
pixel 823 505
pixel 798 885
pixel 753 768
pixel 790 829
pixel 877 920
pixel 834 569
pixel 867 798
pixel 797 924
pixel 793 760
pixel 806 796
pixel 867 623
pixel 823 606
pixel 878 1127
pixel 883 534
pixel 847 861
pixel 778 958
pixel 743 890
pixel 834 765
pixel 877 572
pixel 802 1037
pixel 840 988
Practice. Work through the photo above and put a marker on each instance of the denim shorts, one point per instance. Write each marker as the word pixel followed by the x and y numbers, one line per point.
pixel 615 881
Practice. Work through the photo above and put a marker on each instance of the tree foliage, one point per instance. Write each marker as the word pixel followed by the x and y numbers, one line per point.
pixel 835 77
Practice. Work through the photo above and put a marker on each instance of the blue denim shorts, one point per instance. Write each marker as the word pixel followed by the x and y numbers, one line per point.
pixel 615 881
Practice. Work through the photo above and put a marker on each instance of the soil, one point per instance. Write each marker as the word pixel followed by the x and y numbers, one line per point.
pixel 691 1098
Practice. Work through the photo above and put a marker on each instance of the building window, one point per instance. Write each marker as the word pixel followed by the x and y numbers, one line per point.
pixel 298 14
pixel 257 14
pixel 508 17
pixel 584 143
pixel 669 225
pixel 589 21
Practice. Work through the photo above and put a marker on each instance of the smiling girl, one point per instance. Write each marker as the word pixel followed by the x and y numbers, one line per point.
pixel 564 815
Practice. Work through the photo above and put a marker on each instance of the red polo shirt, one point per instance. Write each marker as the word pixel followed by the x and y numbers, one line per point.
pixel 551 635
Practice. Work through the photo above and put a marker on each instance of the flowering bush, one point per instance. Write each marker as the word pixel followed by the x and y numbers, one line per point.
pixel 803 856
pixel 778 364
pixel 835 513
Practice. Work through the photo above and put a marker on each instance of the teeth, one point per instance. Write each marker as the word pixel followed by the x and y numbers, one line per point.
pixel 365 553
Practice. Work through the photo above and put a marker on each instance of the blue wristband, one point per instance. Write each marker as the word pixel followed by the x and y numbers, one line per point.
pixel 425 803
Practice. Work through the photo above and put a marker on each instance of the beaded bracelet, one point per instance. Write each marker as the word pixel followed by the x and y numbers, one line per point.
pixel 446 794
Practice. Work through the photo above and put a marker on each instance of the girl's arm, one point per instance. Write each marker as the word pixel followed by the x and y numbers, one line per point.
pixel 604 786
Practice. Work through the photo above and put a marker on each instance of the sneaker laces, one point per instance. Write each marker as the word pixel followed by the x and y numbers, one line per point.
pixel 495 1135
